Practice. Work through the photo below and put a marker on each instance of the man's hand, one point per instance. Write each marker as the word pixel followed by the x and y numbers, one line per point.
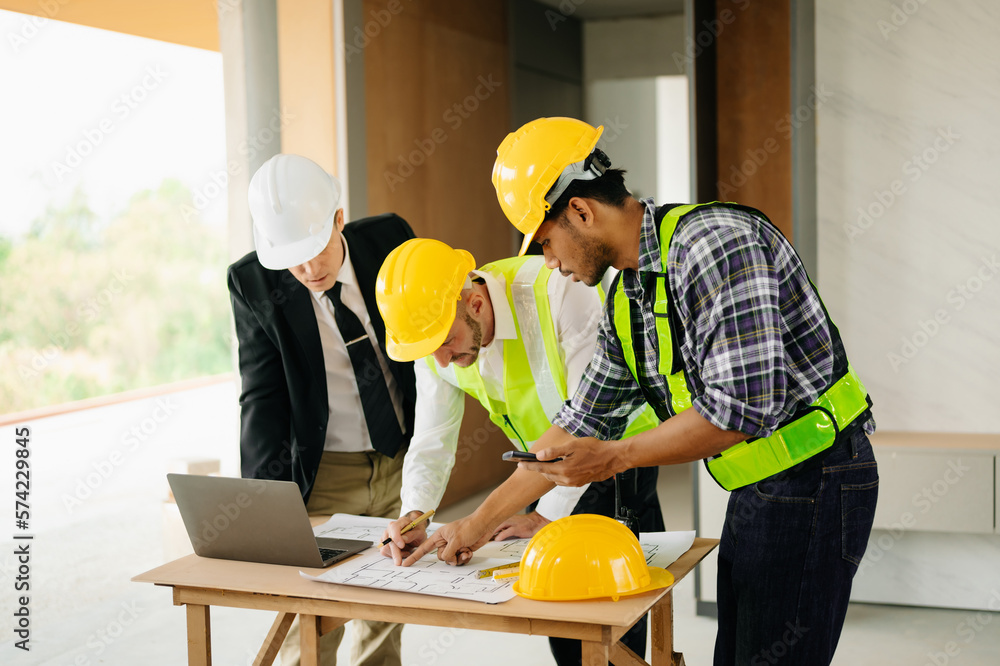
pixel 403 544
pixel 520 526
pixel 455 542
pixel 584 461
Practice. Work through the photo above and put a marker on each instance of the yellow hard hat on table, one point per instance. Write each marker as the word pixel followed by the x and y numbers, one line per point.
pixel 586 556
pixel 536 163
pixel 417 290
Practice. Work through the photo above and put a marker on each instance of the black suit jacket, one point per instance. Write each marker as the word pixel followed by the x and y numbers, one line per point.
pixel 284 405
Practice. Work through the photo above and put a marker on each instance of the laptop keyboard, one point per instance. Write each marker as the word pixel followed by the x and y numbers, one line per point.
pixel 329 553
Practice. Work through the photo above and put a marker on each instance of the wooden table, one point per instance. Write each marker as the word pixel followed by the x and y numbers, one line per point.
pixel 200 583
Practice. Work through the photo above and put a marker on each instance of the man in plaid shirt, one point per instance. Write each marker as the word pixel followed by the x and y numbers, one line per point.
pixel 754 349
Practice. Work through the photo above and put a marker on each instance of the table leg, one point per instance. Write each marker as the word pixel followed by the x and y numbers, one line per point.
pixel 593 653
pixel 622 655
pixel 199 631
pixel 661 618
pixel 309 632
pixel 275 637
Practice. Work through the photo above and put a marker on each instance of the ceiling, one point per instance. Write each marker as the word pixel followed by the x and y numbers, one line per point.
pixel 612 9
pixel 188 22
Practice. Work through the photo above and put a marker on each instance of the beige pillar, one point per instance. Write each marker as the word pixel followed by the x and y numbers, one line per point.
pixel 308 80
pixel 254 118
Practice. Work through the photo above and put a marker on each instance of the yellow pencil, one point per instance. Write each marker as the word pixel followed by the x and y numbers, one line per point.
pixel 409 527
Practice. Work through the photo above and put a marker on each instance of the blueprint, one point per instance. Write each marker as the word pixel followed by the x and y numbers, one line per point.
pixel 663 548
pixel 362 528
pixel 432 576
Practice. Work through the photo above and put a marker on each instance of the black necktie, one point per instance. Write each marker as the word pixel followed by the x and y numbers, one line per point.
pixel 383 426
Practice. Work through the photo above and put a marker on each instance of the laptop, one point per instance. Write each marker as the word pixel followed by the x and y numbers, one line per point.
pixel 253 520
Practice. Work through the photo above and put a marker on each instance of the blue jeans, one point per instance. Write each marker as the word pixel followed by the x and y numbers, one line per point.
pixel 788 554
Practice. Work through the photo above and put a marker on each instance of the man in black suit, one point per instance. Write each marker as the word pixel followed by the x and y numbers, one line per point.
pixel 322 404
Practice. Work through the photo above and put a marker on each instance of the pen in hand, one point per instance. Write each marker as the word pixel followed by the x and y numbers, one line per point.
pixel 409 527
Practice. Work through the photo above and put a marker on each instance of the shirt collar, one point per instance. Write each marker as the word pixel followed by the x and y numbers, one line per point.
pixel 649 253
pixel 649 242
pixel 503 318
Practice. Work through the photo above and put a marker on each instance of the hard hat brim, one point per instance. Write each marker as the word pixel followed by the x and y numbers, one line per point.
pixel 404 352
pixel 658 579
pixel 528 241
pixel 277 258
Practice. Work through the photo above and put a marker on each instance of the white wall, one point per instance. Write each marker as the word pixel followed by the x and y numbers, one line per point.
pixel 634 48
pixel 908 204
pixel 635 85
pixel 673 140
pixel 627 109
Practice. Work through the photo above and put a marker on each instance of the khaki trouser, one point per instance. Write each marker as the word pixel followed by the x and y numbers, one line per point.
pixel 364 484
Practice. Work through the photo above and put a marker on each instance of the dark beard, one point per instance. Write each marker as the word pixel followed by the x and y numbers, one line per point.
pixel 598 253
pixel 477 336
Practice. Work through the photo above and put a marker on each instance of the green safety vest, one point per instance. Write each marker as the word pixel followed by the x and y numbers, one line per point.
pixel 534 372
pixel 811 431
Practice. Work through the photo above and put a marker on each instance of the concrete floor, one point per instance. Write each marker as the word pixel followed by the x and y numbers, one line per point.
pixel 90 539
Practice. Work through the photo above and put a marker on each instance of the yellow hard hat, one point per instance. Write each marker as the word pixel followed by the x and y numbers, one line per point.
pixel 536 163
pixel 417 290
pixel 586 556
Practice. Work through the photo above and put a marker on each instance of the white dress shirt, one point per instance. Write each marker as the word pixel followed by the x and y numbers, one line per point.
pixel 346 429
pixel 576 310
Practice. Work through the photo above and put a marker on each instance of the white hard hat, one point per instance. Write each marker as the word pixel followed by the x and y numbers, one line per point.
pixel 293 203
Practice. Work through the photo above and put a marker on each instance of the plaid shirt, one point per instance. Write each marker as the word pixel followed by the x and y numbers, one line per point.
pixel 755 344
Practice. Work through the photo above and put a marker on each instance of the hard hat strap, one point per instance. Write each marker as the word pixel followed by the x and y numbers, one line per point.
pixel 590 168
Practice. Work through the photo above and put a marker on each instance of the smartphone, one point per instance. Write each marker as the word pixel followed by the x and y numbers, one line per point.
pixel 517 456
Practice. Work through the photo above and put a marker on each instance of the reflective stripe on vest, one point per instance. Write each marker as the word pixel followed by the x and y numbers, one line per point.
pixel 814 430
pixel 680 396
pixel 521 413
pixel 534 370
pixel 530 300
